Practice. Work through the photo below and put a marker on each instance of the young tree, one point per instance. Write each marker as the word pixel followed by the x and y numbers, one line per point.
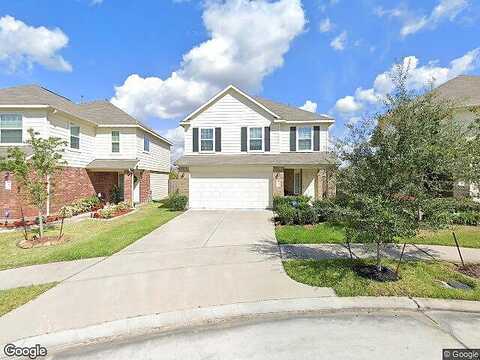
pixel 35 175
pixel 397 162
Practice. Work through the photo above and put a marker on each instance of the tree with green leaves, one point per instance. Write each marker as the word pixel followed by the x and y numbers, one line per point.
pixel 34 175
pixel 397 162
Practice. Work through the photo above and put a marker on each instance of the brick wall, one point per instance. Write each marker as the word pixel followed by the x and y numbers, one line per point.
pixel 127 185
pixel 145 193
pixel 103 182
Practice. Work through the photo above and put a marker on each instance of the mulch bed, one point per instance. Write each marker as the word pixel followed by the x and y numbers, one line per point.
pixel 472 270
pixel 20 223
pixel 40 242
pixel 371 272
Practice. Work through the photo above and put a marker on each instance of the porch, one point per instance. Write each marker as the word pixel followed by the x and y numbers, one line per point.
pixel 316 182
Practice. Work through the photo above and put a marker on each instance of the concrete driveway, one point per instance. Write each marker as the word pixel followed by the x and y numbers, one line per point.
pixel 199 259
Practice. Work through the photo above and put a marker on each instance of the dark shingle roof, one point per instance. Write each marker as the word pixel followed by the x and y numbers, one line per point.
pixel 100 112
pixel 465 90
pixel 291 113
pixel 314 158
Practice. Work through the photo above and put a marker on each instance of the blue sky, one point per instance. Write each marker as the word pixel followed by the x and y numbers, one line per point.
pixel 160 59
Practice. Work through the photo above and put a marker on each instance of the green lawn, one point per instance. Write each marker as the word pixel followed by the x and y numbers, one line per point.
pixel 468 236
pixel 13 298
pixel 418 279
pixel 88 238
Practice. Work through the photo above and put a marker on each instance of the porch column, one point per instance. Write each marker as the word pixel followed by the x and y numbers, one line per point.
pixel 278 188
pixel 128 188
pixel 331 183
pixel 321 184
pixel 326 187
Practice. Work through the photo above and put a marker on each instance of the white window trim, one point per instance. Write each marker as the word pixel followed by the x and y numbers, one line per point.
pixel 70 137
pixel 311 139
pixel 10 144
pixel 149 144
pixel 200 140
pixel 115 142
pixel 248 139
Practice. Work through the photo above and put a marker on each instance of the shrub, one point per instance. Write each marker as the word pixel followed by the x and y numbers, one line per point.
pixel 467 218
pixel 80 206
pixel 286 214
pixel 111 210
pixel 305 215
pixel 115 194
pixel 295 201
pixel 324 210
pixel 457 211
pixel 177 202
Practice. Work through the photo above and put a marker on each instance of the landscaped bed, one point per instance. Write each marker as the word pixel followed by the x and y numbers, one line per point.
pixel 417 279
pixel 13 298
pixel 88 238
pixel 324 233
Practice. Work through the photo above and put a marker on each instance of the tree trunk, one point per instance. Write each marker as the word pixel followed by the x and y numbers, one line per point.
pixel 379 261
pixel 40 222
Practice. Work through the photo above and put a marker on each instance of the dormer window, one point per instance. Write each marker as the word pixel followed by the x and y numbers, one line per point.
pixel 255 140
pixel 11 129
pixel 206 139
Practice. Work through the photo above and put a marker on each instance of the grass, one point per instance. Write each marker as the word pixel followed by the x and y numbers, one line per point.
pixel 468 236
pixel 88 238
pixel 12 298
pixel 418 279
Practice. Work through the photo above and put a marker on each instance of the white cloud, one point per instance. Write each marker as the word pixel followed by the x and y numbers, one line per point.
pixel 21 44
pixel 325 25
pixel 412 23
pixel 348 104
pixel 248 40
pixel 339 42
pixel 177 137
pixel 418 78
pixel 309 106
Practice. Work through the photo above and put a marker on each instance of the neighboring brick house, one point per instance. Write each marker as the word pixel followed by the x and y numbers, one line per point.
pixel 465 92
pixel 241 151
pixel 106 147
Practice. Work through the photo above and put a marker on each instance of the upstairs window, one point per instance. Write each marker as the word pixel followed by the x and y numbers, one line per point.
pixel 115 141
pixel 74 136
pixel 206 139
pixel 255 142
pixel 305 138
pixel 146 144
pixel 11 129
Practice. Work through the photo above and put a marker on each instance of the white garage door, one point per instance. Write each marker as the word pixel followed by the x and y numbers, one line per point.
pixel 159 185
pixel 230 188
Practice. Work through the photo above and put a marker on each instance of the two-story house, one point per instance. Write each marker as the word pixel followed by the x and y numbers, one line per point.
pixel 241 151
pixel 465 92
pixel 105 147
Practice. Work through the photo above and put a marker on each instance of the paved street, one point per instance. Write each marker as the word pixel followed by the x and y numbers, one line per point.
pixel 199 259
pixel 345 335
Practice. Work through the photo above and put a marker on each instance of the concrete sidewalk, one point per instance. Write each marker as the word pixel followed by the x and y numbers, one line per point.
pixel 412 252
pixel 44 273
pixel 198 259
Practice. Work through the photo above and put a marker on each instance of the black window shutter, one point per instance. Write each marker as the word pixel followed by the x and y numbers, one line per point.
pixel 293 138
pixel 195 140
pixel 218 139
pixel 267 138
pixel 316 138
pixel 243 136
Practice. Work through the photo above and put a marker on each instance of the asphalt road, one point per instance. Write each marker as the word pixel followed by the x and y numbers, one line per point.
pixel 354 335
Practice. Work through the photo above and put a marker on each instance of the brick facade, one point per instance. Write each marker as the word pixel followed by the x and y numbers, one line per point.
pixel 278 185
pixel 145 193
pixel 326 187
pixel 69 185
pixel 127 188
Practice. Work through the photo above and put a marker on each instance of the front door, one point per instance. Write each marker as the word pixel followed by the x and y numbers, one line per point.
pixel 136 189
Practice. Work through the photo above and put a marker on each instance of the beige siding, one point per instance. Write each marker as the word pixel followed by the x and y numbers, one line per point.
pixel 59 126
pixel 230 113
pixel 159 185
pixel 284 136
pixel 31 119
pixel 128 143
pixel 158 158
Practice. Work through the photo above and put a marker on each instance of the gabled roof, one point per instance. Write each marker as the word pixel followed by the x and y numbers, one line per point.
pixel 100 113
pixel 280 112
pixel 465 90
pixel 290 113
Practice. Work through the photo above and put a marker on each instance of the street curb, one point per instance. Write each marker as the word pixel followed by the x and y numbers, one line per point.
pixel 157 324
